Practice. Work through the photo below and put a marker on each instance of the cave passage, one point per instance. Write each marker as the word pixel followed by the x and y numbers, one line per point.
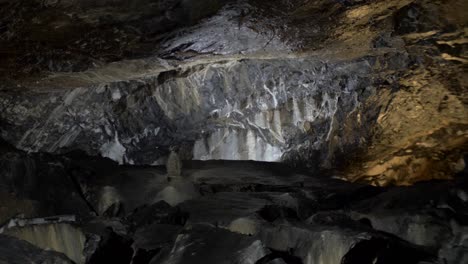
pixel 233 131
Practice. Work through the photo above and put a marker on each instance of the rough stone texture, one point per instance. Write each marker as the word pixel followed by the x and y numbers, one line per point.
pixel 243 80
pixel 36 186
pixel 237 109
pixel 344 94
pixel 271 212
pixel 15 251
pixel 60 237
pixel 205 244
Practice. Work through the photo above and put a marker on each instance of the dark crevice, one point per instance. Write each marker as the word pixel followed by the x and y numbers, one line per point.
pixel 144 256
pixel 384 251
pixel 272 212
pixel 287 257
pixel 78 189
pixel 160 213
pixel 113 249
pixel 366 221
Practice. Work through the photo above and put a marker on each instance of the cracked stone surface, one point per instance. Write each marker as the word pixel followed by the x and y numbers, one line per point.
pixel 244 80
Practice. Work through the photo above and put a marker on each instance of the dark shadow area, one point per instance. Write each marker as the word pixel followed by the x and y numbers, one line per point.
pixel 144 256
pixel 113 249
pixel 382 251
pixel 288 258
pixel 272 212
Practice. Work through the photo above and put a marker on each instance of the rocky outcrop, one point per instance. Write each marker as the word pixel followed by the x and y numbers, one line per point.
pixel 18 251
pixel 63 238
pixel 37 186
pixel 271 210
pixel 268 212
pixel 235 110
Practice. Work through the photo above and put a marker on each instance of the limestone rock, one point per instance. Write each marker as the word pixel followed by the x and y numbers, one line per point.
pixel 15 251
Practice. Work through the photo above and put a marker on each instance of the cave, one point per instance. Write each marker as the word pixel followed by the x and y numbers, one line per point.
pixel 233 131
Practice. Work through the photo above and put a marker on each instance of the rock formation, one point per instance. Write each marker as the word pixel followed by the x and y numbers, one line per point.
pixel 306 131
pixel 173 165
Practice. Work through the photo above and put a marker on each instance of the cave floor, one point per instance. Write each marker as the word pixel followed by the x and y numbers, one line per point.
pixel 229 212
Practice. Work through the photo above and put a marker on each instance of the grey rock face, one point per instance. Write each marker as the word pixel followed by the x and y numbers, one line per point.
pixel 60 237
pixel 197 246
pixel 240 109
pixel 36 186
pixel 231 31
pixel 15 251
pixel 322 84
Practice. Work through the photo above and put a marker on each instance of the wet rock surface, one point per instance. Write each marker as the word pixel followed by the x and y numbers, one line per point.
pixel 18 251
pixel 317 84
pixel 292 132
pixel 250 212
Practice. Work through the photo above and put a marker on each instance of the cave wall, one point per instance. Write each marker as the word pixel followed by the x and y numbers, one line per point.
pixel 373 88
